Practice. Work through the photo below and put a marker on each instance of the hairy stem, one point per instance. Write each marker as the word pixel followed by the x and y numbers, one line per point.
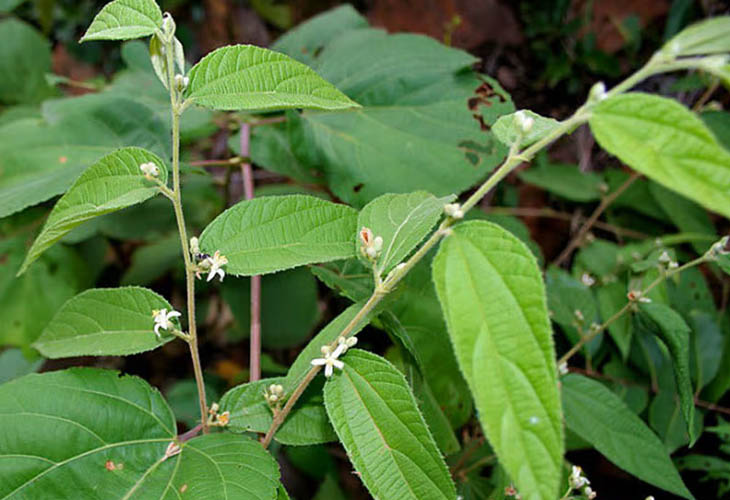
pixel 180 218
pixel 628 306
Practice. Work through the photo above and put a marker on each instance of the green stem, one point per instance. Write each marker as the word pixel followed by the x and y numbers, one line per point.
pixel 594 333
pixel 180 218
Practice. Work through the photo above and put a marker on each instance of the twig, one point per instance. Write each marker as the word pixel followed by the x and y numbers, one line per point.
pixel 600 329
pixel 231 162
pixel 255 328
pixel 554 214
pixel 605 202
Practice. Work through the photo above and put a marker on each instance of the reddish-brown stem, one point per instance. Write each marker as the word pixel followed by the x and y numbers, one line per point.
pixel 255 341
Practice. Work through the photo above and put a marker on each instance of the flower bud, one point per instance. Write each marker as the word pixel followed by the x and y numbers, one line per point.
pixel 168 26
pixel 598 92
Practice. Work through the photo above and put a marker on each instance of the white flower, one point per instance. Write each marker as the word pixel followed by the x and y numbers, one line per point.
pixel 563 368
pixel 216 262
pixel 149 169
pixel 162 319
pixel 330 361
pixel 664 258
pixel 523 121
pixel 577 479
pixel 589 493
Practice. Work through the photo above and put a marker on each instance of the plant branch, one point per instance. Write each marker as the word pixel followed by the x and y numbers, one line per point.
pixel 605 202
pixel 255 327
pixel 628 306
pixel 176 109
pixel 514 159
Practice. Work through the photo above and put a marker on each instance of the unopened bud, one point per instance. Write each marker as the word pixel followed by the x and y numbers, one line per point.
pixel 181 82
pixel 597 92
pixel 454 210
pixel 149 169
pixel 194 245
pixel 168 26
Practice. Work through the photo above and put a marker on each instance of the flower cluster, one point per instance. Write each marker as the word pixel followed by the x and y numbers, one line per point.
pixel 218 420
pixel 274 394
pixel 454 210
pixel 371 245
pixel 163 320
pixel 150 170
pixel 205 263
pixel 578 480
pixel 330 361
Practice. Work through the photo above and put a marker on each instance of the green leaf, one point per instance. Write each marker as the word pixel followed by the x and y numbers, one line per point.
pixel 104 322
pixel 674 332
pixel 706 37
pixel 28 303
pixel 421 123
pixel 598 415
pixel 294 290
pixel 403 221
pixel 563 180
pixel 303 42
pixel 707 347
pixel 9 5
pixel 493 299
pixel 124 20
pixel 376 418
pixel 307 424
pixel 349 278
pixel 93 434
pixel 669 144
pixel 508 129
pixel 40 159
pixel 112 183
pixel 257 79
pixel 25 58
pixel 280 232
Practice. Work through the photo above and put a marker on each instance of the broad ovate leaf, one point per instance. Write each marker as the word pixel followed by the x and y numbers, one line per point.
pixel 666 142
pixel 669 326
pixel 711 36
pixel 377 420
pixel 104 322
pixel 307 424
pixel 402 220
pixel 269 234
pixel 508 128
pixel 124 20
pixel 257 79
pixel 598 415
pixel 493 298
pixel 112 183
pixel 91 433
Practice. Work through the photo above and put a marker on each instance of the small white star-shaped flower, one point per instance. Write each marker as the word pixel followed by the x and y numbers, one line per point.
pixel 577 479
pixel 149 169
pixel 216 262
pixel 330 361
pixel 162 320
